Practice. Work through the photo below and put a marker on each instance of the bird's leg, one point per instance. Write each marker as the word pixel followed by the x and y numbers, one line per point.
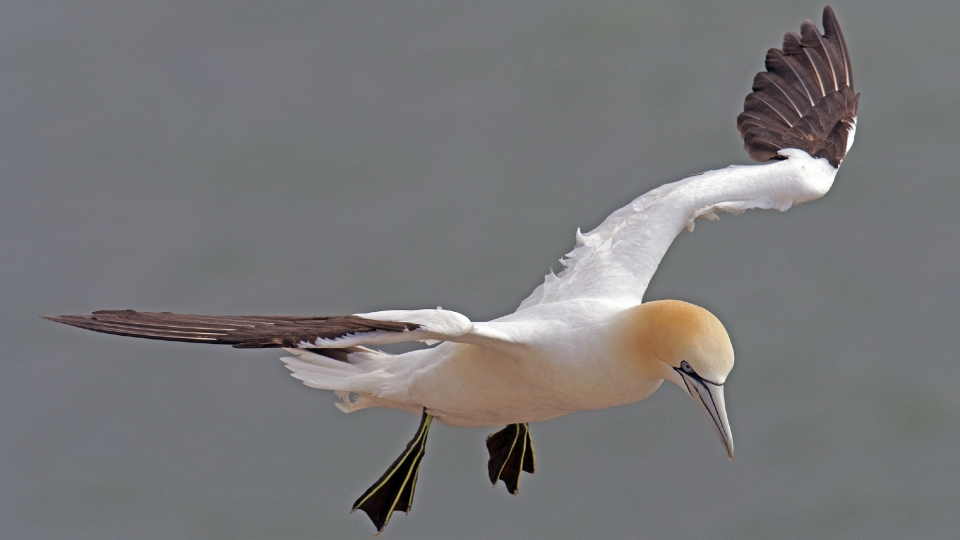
pixel 394 490
pixel 511 452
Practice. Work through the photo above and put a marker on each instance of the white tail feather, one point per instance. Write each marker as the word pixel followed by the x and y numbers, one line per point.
pixel 344 378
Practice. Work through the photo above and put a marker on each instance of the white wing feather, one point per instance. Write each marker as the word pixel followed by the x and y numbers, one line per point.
pixel 617 259
pixel 435 325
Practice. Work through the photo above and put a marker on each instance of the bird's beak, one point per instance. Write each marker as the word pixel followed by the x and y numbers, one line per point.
pixel 710 398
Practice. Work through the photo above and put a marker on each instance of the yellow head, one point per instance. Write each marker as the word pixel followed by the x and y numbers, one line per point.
pixel 687 345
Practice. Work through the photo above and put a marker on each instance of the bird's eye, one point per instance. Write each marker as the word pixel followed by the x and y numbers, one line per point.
pixel 686 367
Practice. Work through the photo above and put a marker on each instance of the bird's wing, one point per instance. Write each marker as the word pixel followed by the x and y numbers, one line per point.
pixel 805 98
pixel 801 116
pixel 266 331
pixel 616 260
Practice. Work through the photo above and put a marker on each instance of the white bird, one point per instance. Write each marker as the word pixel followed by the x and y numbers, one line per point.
pixel 584 339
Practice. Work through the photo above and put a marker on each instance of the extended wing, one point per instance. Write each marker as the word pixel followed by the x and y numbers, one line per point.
pixel 801 116
pixel 616 260
pixel 270 331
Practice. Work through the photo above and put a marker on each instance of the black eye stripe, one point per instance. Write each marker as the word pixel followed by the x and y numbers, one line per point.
pixel 686 369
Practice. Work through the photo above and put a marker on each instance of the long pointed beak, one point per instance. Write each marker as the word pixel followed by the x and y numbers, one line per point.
pixel 710 398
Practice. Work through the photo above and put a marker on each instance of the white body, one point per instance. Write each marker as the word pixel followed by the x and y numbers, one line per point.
pixel 566 347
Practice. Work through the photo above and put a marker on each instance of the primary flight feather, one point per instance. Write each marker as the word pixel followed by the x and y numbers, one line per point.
pixel 584 339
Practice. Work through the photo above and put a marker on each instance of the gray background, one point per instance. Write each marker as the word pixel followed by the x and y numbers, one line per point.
pixel 344 156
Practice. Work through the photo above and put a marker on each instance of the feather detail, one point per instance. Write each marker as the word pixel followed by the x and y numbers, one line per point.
pixel 242 332
pixel 805 99
pixel 833 34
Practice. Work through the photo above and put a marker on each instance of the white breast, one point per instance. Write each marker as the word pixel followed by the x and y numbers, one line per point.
pixel 565 365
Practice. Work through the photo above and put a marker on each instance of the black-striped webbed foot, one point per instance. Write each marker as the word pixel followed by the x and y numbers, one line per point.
pixel 394 490
pixel 511 452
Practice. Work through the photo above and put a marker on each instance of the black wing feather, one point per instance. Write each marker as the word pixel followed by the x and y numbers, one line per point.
pixel 833 34
pixel 805 99
pixel 242 332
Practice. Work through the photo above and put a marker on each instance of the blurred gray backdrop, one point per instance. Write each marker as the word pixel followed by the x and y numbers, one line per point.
pixel 345 156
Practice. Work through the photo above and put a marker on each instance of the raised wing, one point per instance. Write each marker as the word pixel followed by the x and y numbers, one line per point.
pixel 616 260
pixel 801 116
pixel 805 98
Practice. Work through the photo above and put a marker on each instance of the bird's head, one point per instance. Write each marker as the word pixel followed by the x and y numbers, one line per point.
pixel 688 345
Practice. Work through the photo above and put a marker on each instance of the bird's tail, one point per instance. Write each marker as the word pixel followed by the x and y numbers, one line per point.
pixel 345 371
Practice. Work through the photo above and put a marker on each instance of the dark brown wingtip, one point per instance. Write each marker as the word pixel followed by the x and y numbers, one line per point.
pixel 79 321
pixel 130 323
pixel 805 99
pixel 241 331
pixel 833 34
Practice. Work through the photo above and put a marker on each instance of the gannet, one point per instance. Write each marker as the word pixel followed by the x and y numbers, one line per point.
pixel 584 339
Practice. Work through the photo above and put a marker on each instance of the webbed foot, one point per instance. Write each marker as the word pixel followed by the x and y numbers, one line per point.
pixel 511 452
pixel 394 490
